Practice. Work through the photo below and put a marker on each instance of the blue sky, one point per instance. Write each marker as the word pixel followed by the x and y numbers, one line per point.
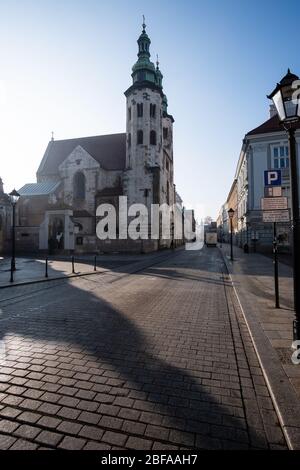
pixel 66 64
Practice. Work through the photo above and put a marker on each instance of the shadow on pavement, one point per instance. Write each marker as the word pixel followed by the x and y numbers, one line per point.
pixel 171 395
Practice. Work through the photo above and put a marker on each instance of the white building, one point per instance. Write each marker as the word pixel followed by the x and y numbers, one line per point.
pixel 263 148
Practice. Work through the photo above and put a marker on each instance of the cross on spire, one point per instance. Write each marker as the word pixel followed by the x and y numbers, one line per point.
pixel 144 24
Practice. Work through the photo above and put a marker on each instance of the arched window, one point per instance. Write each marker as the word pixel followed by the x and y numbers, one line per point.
pixel 140 137
pixel 79 186
pixel 152 138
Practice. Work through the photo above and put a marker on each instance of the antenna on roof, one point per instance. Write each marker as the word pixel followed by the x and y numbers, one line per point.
pixel 52 136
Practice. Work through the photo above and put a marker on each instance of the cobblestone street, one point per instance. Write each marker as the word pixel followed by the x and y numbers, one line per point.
pixel 156 359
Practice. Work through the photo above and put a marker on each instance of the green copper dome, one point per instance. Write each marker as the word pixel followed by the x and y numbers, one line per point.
pixel 144 69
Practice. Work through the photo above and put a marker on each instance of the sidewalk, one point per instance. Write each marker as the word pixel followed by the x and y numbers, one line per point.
pixel 31 270
pixel 270 328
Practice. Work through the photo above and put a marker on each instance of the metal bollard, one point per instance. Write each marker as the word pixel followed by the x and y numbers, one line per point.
pixel 73 267
pixel 46 268
pixel 12 271
pixel 95 263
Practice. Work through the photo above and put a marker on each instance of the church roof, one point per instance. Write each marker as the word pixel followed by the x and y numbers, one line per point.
pixel 108 150
pixel 39 189
pixel 271 125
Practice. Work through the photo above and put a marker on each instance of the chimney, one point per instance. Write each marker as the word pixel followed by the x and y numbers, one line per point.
pixel 272 110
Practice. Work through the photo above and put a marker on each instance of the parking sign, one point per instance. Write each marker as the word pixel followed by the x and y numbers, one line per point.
pixel 272 178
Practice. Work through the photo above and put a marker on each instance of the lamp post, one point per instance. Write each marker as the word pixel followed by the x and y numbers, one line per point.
pixel 231 214
pixel 14 197
pixel 285 99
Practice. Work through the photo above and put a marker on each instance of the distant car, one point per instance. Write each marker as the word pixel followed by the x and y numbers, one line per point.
pixel 211 239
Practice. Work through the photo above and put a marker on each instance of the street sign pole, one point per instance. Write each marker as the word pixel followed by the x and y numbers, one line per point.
pixel 275 252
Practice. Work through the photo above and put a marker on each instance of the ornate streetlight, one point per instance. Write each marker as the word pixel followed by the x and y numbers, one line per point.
pixel 14 197
pixel 285 99
pixel 230 215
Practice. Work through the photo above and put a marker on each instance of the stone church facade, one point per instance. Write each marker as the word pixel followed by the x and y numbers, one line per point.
pixel 75 176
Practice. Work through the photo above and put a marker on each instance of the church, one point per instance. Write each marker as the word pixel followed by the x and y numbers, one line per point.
pixel 76 175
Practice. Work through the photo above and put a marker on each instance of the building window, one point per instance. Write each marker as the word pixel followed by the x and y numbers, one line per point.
pixel 280 155
pixel 129 113
pixel 152 138
pixel 167 165
pixel 152 110
pixel 79 186
pixel 129 139
pixel 168 192
pixel 79 240
pixel 165 132
pixel 140 109
pixel 140 137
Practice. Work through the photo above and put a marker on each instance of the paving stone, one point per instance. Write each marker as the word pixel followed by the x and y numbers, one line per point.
pixel 6 441
pixel 27 432
pixel 7 426
pixel 91 432
pixel 72 443
pixel 20 444
pixel 114 438
pixel 137 443
pixel 91 418
pixel 49 438
pixel 132 427
pixel 49 422
pixel 9 412
pixel 181 438
pixel 109 409
pixel 128 414
pixel 111 422
pixel 91 445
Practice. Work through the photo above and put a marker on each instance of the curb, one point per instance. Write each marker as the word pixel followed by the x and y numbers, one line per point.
pixel 284 398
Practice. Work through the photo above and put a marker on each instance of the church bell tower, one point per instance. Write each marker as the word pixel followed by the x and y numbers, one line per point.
pixel 148 176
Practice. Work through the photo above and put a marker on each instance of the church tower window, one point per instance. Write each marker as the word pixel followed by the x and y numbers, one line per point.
pixel 152 110
pixel 152 138
pixel 129 140
pixel 79 186
pixel 129 113
pixel 140 109
pixel 140 137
